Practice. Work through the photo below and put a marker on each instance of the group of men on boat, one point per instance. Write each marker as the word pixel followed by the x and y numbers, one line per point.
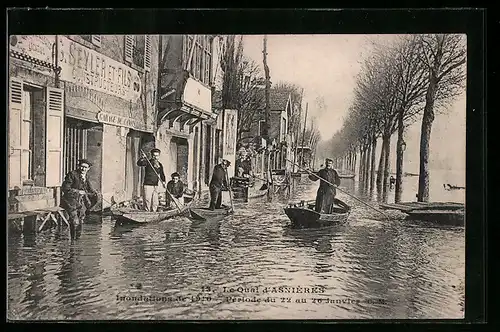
pixel 79 196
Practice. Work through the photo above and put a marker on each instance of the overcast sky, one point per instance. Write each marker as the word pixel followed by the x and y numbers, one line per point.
pixel 326 67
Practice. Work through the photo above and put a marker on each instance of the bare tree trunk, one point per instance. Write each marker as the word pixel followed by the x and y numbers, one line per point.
pixel 387 166
pixel 367 167
pixel 399 158
pixel 355 161
pixel 425 137
pixel 380 170
pixel 361 164
pixel 372 175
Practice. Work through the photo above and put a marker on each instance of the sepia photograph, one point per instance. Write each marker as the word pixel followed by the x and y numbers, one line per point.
pixel 236 176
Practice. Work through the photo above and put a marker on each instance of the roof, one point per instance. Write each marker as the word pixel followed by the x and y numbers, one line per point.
pixel 278 99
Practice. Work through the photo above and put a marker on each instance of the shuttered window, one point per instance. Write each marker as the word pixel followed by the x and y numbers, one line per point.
pixel 94 39
pixel 138 49
pixel 55 138
pixel 197 57
pixel 16 102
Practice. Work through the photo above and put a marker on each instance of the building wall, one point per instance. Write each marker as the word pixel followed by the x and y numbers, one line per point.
pixel 25 72
pixel 128 102
pixel 168 154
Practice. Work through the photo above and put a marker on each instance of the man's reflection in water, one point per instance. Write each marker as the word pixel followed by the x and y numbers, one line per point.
pixel 35 292
pixel 68 274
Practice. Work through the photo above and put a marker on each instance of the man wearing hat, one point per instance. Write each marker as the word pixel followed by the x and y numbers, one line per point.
pixel 175 187
pixel 326 192
pixel 153 169
pixel 218 182
pixel 77 193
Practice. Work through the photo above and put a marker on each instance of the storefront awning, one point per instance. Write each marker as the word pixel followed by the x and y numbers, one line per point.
pixel 185 115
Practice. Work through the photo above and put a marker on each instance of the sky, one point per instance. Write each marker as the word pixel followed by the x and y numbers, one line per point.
pixel 326 67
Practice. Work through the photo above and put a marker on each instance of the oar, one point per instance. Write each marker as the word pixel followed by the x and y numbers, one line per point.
pixel 230 192
pixel 359 200
pixel 164 186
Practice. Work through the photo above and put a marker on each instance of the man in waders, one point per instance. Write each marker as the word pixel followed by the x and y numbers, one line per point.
pixel 218 183
pixel 78 196
pixel 153 169
pixel 326 192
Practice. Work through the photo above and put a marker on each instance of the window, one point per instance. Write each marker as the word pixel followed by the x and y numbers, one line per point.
pixel 35 134
pixel 198 59
pixel 138 50
pixel 94 39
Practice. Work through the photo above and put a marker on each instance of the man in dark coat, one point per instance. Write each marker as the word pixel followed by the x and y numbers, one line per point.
pixel 153 168
pixel 78 194
pixel 218 183
pixel 175 187
pixel 326 192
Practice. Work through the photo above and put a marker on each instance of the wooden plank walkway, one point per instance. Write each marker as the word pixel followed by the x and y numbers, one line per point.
pixel 412 206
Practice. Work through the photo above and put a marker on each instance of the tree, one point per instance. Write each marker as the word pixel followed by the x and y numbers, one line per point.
pixel 444 57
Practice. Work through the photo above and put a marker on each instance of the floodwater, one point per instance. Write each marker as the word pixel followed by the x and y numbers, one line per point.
pixel 250 265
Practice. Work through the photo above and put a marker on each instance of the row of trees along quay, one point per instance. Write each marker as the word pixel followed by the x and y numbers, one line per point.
pixel 408 78
pixel 246 87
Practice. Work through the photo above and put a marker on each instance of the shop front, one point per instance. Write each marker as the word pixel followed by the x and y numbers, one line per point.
pixel 109 118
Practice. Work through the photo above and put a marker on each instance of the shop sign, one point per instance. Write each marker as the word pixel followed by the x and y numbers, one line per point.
pixel 35 49
pixel 119 121
pixel 84 66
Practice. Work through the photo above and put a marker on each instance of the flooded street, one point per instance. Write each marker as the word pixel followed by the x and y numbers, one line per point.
pixel 233 268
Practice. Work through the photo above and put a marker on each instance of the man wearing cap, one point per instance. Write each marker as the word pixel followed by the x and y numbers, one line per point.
pixel 77 193
pixel 218 182
pixel 326 192
pixel 153 169
pixel 175 187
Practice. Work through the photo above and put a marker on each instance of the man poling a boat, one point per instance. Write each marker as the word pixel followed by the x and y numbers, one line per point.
pixel 218 183
pixel 359 200
pixel 153 174
pixel 326 192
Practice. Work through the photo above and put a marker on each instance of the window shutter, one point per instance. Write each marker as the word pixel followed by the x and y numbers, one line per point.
pixel 129 45
pixel 96 40
pixel 147 52
pixel 55 138
pixel 15 127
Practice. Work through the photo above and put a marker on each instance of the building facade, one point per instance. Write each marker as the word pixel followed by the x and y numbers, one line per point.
pixel 190 133
pixel 82 96
pixel 36 124
pixel 110 100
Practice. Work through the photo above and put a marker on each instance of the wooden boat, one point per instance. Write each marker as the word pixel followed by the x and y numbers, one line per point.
pixel 206 213
pixel 303 214
pixel 131 215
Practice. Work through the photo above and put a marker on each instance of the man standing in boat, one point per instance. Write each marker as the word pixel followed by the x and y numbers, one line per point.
pixel 78 195
pixel 175 187
pixel 326 192
pixel 218 184
pixel 153 169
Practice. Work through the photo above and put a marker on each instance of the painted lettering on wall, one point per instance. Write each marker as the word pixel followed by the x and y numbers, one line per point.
pixel 36 46
pixel 82 65
pixel 117 120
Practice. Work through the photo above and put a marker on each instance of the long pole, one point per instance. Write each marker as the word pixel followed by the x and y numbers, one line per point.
pixel 319 177
pixel 301 159
pixel 163 183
